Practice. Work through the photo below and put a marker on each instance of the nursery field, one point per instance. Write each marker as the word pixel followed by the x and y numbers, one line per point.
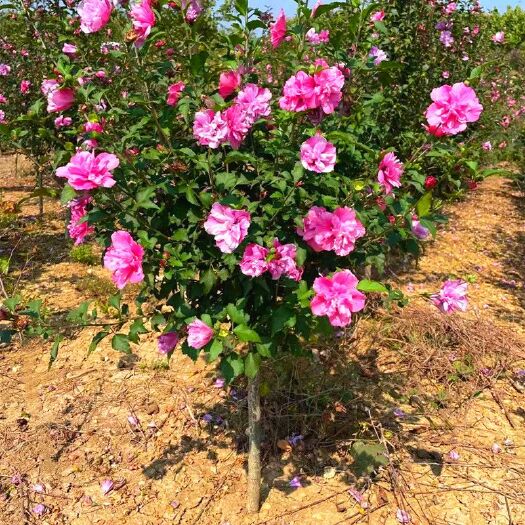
pixel 442 395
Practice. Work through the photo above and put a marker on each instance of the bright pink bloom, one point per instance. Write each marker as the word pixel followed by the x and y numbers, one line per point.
pixel 3 100
pixel 337 298
pixel 450 8
pixel 282 262
pixel 487 146
pixel 167 342
pixel 229 81
pixel 299 93
pixel 377 16
pixel 453 107
pixel 209 128
pixel 199 334
pixel 498 38
pixel 451 297
pixel 255 101
pixel 124 259
pixel 69 49
pixel 143 20
pixel 278 30
pixel 94 14
pixel 238 125
pixel 315 38
pixel 60 99
pixel 316 6
pixel 430 182
pixel 25 86
pixel 228 226
pixel 93 127
pixel 174 93
pixel 254 261
pixel 329 83
pixel 337 231
pixel 317 154
pixel 378 55
pixel 390 171
pixel 85 171
pixel 78 229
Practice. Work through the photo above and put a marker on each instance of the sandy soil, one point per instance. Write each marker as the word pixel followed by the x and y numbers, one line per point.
pixel 67 428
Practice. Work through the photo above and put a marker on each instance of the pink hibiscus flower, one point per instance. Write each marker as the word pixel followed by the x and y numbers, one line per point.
pixel 77 228
pixel 94 14
pixel 228 226
pixel 199 334
pixel 317 154
pixel 143 20
pixel 124 259
pixel 390 171
pixel 85 171
pixel 278 30
pixel 174 93
pixel 452 296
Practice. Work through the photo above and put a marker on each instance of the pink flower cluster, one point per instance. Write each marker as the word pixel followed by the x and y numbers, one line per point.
pixel 213 129
pixel 315 38
pixel 326 231
pixel 228 226
pixel 390 171
pixel 279 261
pixel 317 154
pixel 124 259
pixel 452 296
pixel 85 171
pixel 337 298
pixel 304 92
pixel 94 14
pixel 143 19
pixel 78 228
pixel 453 108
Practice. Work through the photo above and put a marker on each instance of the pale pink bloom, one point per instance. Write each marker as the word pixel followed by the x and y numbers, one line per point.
pixel 377 16
pixel 496 448
pixel 93 127
pixel 48 85
pixel 39 488
pixel 278 30
pixel 69 49
pixel 418 229
pixel 502 145
pixel 238 124
pixel 174 93
pixel 209 128
pixel 5 69
pixel 282 261
pixel 106 486
pixel 192 10
pixel 229 81
pixel 2 117
pixel 337 298
pixel 124 259
pixel 453 455
pixel 315 38
pixel 25 86
pixel 228 226
pixel 299 93
pixel 453 107
pixel 328 85
pixel 495 95
pixel 253 261
pixel 94 14
pixel 317 154
pixel 3 100
pixel 450 8
pixel 89 144
pixel 390 171
pixel 465 58
pixel 255 101
pixel 85 171
pixel 446 38
pixel 60 99
pixel 143 20
pixel 498 38
pixel 167 342
pixel 487 146
pixel 403 516
pixel 77 228
pixel 326 231
pixel 199 334
pixel 378 55
pixel 39 509
pixel 316 6
pixel 445 74
pixel 451 297
pixel 505 121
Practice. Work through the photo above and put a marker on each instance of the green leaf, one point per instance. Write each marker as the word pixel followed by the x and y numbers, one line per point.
pixel 53 354
pixel 371 286
pixel 143 198
pixel 215 351
pixel 236 315
pixel 368 457
pixel 191 352
pixel 136 328
pixel 424 205
pixel 6 336
pixel 208 280
pixel 231 367
pixel 96 340
pixel 282 317
pixel 67 195
pixel 241 6
pixel 114 301
pixel 321 10
pixel 12 302
pixel 252 362
pixel 4 265
pixel 120 343
pixel 246 334
pixel 475 73
pixel 197 63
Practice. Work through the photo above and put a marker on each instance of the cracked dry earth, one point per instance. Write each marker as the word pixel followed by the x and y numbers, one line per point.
pixel 67 428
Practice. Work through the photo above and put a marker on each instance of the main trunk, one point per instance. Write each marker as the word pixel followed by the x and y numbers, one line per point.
pixel 254 455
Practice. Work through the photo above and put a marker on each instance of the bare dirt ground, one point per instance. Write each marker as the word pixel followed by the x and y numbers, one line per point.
pixel 418 384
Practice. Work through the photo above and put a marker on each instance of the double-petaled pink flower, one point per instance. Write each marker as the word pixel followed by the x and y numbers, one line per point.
pixel 378 16
pixel 78 228
pixel 254 262
pixel 174 93
pixel 317 154
pixel 62 122
pixel 378 55
pixel 229 81
pixel 228 226
pixel 453 108
pixel 255 101
pixel 390 171
pixel 337 298
pixel 59 99
pixel 143 19
pixel 199 334
pixel 452 296
pixel 337 231
pixel 5 69
pixel 498 38
pixel 209 128
pixel 25 86
pixel 315 38
pixel 94 14
pixel 278 30
pixel 124 259
pixel 85 171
